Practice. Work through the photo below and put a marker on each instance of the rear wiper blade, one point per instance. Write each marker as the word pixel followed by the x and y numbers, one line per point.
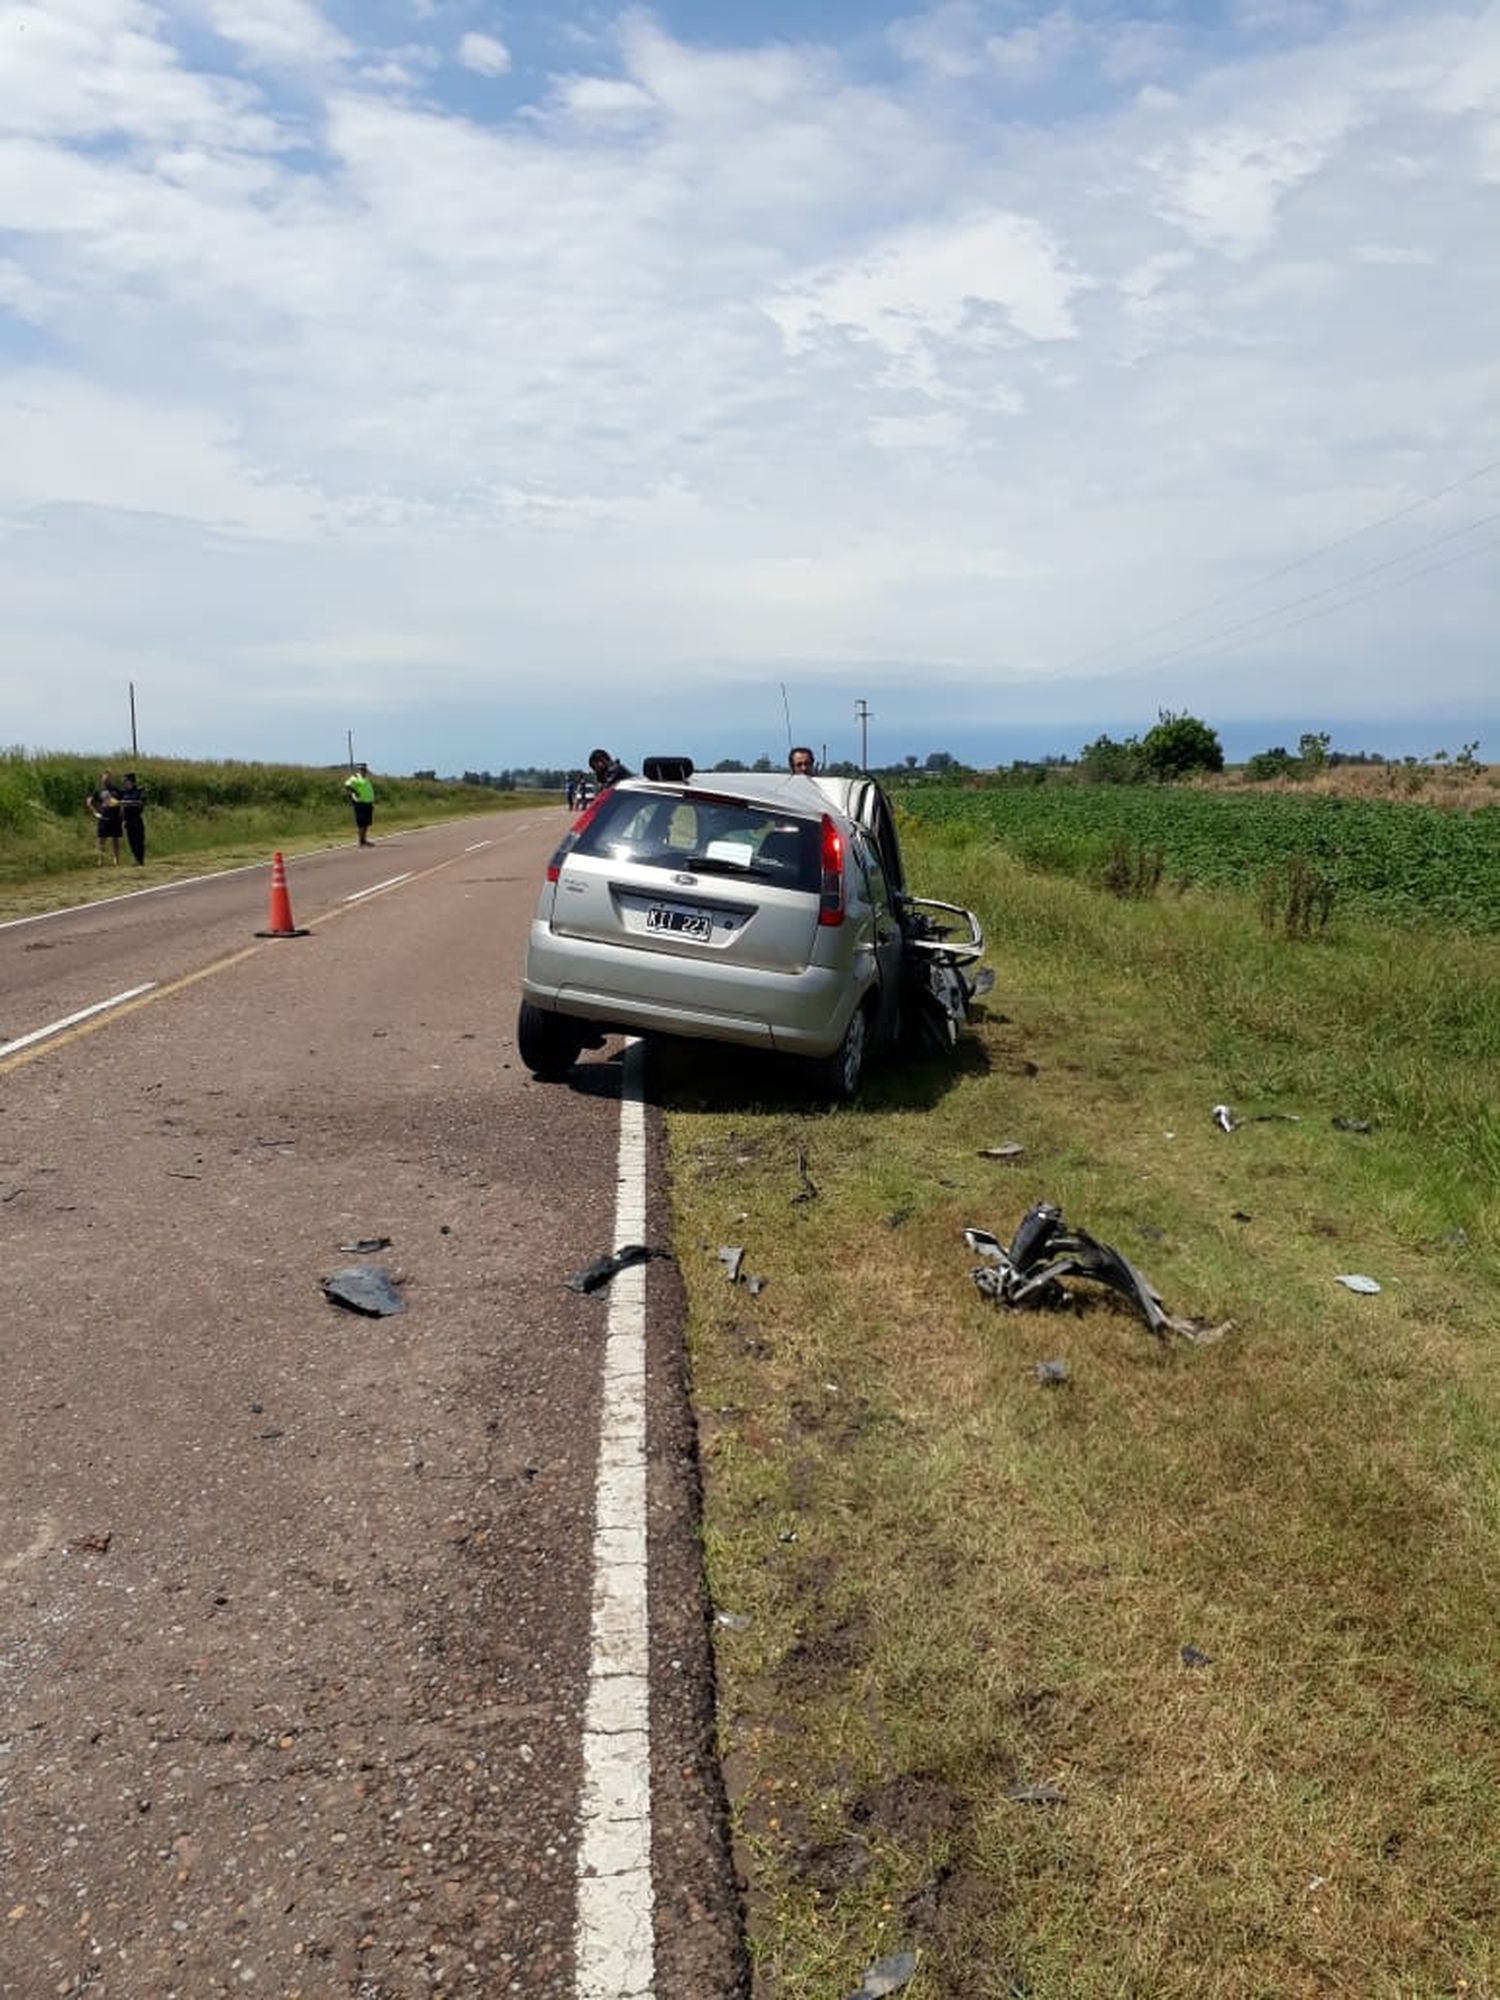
pixel 713 864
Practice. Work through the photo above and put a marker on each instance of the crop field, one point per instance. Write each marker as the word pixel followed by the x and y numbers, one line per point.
pixel 1391 860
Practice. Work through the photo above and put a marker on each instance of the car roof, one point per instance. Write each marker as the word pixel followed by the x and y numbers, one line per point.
pixel 784 791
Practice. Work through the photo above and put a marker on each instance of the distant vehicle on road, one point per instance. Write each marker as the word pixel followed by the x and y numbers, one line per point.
pixel 765 910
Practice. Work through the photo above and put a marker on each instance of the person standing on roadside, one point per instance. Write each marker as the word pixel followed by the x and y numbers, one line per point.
pixel 104 803
pixel 362 798
pixel 132 799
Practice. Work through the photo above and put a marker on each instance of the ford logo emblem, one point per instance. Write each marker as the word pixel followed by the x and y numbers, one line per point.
pixel 686 880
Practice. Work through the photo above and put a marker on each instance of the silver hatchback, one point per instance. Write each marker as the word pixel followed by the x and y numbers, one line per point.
pixel 767 911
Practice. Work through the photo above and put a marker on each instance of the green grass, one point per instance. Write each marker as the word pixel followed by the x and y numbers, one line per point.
pixel 957 1580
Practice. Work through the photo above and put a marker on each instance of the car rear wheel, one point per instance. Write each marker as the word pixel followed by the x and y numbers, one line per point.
pixel 838 1075
pixel 549 1043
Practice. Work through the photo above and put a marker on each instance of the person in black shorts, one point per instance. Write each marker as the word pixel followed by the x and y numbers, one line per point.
pixel 104 803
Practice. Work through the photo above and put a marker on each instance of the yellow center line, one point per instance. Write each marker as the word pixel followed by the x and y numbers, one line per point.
pixel 172 986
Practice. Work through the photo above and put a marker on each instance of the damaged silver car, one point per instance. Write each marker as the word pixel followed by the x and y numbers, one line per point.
pixel 759 910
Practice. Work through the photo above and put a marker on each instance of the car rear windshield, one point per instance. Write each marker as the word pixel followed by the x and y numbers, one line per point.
pixel 706 836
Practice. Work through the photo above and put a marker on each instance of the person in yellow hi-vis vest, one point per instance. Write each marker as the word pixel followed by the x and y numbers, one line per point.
pixel 362 798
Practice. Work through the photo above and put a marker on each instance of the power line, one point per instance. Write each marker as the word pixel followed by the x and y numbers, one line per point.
pixel 1393 583
pixel 1215 639
pixel 1300 562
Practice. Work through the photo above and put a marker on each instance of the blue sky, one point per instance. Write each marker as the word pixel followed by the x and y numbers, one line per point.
pixel 491 381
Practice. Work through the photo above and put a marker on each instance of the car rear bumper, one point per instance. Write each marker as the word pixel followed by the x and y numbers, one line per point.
pixel 802 1013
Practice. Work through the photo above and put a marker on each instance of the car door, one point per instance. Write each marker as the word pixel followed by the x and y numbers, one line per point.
pixel 885 932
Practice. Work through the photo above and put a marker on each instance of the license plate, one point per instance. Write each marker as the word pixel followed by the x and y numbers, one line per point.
pixel 679 922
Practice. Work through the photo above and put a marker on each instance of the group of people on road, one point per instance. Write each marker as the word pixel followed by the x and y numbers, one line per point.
pixel 119 809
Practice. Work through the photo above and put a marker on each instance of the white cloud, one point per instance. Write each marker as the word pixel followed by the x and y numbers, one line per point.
pixel 789 365
pixel 929 281
pixel 278 33
pixel 484 54
pixel 603 96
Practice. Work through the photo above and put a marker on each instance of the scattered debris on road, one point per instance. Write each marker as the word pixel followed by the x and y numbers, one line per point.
pixel 93 1544
pixel 598 1274
pixel 364 1288
pixel 363 1245
pixel 1028 1272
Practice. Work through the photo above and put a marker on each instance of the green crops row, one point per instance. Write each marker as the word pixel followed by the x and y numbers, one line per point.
pixel 1411 863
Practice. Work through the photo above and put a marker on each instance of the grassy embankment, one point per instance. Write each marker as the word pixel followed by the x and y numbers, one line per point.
pixel 946 1580
pixel 200 816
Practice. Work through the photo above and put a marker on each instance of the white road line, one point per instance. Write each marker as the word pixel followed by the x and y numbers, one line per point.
pixel 615 1948
pixel 477 845
pixel 376 887
pixel 72 1020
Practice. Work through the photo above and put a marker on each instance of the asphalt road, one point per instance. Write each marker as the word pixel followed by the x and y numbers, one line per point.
pixel 294 1604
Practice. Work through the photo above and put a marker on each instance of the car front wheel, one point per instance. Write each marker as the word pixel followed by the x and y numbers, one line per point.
pixel 838 1075
pixel 549 1043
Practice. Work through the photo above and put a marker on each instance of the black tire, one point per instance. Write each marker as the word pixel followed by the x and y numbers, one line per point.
pixel 837 1077
pixel 549 1043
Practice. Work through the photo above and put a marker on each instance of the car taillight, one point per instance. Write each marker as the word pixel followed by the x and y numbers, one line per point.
pixel 569 839
pixel 831 888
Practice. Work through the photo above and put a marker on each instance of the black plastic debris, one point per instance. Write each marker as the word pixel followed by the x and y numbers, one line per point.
pixel 1028 1272
pixel 598 1274
pixel 1036 1795
pixel 886 1975
pixel 1191 1657
pixel 943 942
pixel 364 1288
pixel 732 1256
pixel 363 1245
pixel 807 1189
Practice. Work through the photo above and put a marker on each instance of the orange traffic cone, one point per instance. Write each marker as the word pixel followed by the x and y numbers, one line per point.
pixel 280 918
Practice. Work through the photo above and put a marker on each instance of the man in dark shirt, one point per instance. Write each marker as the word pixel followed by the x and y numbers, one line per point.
pixel 607 768
pixel 132 799
pixel 104 803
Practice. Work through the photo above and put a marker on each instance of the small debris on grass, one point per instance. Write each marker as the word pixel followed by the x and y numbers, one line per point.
pixel 886 1975
pixel 1044 1250
pixel 896 1217
pixel 1191 1657
pixel 732 1256
pixel 363 1245
pixel 755 1286
pixel 808 1188
pixel 1036 1795
pixel 598 1274
pixel 732 1621
pixel 1224 1118
pixel 1051 1372
pixel 1239 1215
pixel 1009 1149
pixel 1343 1124
pixel 364 1288
pixel 1355 1281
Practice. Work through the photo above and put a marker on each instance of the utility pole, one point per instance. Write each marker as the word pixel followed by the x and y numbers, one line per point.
pixel 351 749
pixel 862 711
pixel 135 748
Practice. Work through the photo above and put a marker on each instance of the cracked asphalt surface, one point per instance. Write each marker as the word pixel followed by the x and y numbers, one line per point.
pixel 294 1603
